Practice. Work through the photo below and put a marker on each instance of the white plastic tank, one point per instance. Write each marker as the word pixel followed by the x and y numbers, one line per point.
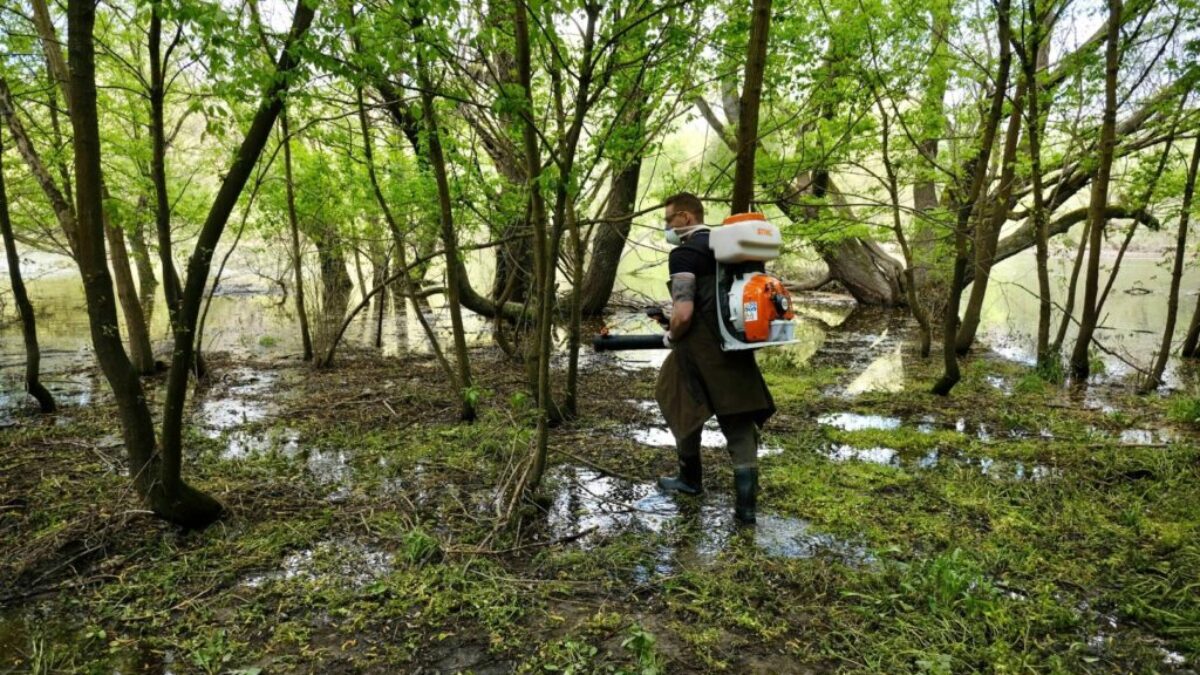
pixel 745 237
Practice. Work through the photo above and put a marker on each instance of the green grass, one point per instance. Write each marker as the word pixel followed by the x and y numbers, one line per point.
pixel 962 570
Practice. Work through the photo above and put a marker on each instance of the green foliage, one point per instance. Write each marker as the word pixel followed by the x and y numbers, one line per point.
pixel 1184 408
pixel 640 643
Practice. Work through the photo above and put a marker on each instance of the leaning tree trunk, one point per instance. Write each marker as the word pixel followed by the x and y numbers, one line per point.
pixel 437 162
pixel 33 353
pixel 871 275
pixel 1154 378
pixel 987 232
pixel 968 204
pixel 1080 365
pixel 201 260
pixel 608 240
pixel 155 475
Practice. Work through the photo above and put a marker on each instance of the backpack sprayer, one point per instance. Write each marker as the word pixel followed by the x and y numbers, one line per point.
pixel 754 310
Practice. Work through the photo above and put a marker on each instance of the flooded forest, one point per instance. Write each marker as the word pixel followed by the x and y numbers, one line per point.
pixel 308 313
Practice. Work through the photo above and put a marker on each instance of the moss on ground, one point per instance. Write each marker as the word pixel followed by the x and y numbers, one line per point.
pixel 362 536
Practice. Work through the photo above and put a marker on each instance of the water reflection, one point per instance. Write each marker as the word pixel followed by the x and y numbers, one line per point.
pixel 695 529
pixel 985 466
pixel 848 421
pixel 1132 325
pixel 344 563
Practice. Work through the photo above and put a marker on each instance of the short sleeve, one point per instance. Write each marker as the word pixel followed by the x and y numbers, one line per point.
pixel 685 259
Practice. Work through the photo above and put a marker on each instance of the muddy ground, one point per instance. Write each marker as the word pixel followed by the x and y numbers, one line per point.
pixel 1016 526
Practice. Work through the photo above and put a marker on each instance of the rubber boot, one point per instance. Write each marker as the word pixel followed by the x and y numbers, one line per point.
pixel 745 484
pixel 689 481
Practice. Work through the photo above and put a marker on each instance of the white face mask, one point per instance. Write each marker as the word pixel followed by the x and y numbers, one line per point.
pixel 675 236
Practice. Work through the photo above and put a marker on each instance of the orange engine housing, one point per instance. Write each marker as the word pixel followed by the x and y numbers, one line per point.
pixel 764 299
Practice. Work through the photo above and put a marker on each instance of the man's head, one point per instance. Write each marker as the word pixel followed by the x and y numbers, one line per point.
pixel 683 210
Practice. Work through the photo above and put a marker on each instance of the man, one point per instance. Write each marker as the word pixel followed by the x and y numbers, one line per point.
pixel 698 379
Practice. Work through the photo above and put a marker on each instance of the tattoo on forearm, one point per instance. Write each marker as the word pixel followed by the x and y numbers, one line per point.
pixel 683 287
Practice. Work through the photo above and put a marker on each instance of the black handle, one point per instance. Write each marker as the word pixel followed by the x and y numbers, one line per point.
pixel 612 343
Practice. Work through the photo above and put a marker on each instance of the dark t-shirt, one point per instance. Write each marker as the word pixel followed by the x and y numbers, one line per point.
pixel 693 256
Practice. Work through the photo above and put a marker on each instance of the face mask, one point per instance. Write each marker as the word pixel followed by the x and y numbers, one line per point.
pixel 674 237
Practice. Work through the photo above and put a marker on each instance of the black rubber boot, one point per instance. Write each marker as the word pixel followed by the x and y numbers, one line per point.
pixel 689 481
pixel 745 483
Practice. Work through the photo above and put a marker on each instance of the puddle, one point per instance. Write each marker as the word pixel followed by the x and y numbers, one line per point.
pixel 331 468
pixel 244 444
pixel 999 469
pixel 661 437
pixel 1145 437
pixel 696 528
pixel 993 468
pixel 344 563
pixel 244 402
pixel 999 383
pixel 884 374
pixel 846 453
pixel 848 421
pixel 70 390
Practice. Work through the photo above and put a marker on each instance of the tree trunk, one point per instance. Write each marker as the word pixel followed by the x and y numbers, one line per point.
pixel 141 354
pixel 201 260
pixel 381 270
pixel 437 162
pixel 1080 366
pixel 968 204
pixel 408 289
pixel 575 320
pixel 543 259
pixel 987 232
pixel 294 231
pixel 893 189
pixel 926 233
pixel 866 270
pixel 156 475
pixel 1191 343
pixel 63 211
pixel 336 283
pixel 1072 288
pixel 33 353
pixel 147 282
pixel 1154 379
pixel 747 133
pixel 1031 63
pixel 608 241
